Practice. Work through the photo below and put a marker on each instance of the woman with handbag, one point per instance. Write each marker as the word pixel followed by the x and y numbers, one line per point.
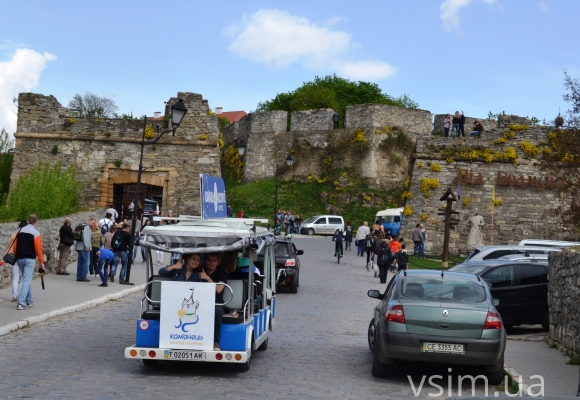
pixel 16 281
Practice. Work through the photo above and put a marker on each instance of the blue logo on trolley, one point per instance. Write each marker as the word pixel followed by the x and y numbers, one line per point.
pixel 188 312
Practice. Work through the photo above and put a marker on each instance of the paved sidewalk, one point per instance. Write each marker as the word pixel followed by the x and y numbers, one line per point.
pixel 64 295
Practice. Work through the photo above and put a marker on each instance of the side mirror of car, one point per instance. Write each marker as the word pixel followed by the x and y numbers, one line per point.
pixel 375 294
pixel 496 302
pixel 299 252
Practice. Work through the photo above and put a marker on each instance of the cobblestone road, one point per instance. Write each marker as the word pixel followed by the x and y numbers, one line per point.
pixel 318 350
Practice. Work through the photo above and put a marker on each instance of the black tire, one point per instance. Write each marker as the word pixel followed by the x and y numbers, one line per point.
pixel 245 367
pixel 496 377
pixel 508 326
pixel 264 345
pixel 294 289
pixel 546 321
pixel 371 335
pixel 379 369
pixel 151 363
pixel 311 231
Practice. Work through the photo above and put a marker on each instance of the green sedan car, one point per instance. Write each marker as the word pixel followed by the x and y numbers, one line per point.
pixel 436 317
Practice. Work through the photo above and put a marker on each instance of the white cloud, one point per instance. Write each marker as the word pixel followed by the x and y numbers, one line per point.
pixel 543 7
pixel 450 12
pixel 278 39
pixel 21 73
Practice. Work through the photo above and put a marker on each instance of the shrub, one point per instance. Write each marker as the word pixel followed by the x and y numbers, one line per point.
pixel 529 149
pixel 149 133
pixel 408 211
pixel 46 191
pixel 466 201
pixel 428 184
pixel 406 195
pixel 435 167
pixel 424 217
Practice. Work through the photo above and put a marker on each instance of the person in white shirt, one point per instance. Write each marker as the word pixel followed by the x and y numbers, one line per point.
pixel 106 222
pixel 114 214
pixel 361 234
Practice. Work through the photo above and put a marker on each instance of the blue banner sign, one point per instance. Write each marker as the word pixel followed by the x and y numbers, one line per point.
pixel 213 197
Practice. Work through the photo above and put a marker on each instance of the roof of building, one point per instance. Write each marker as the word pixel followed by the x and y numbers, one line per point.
pixel 232 116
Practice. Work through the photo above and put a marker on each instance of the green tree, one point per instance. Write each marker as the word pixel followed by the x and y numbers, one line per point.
pixel 333 92
pixel 222 123
pixel 6 141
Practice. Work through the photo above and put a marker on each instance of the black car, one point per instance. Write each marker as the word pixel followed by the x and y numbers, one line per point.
pixel 519 289
pixel 287 264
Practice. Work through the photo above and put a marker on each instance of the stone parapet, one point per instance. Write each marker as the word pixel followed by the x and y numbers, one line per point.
pixel 488 124
pixel 413 121
pixel 564 298
pixel 312 120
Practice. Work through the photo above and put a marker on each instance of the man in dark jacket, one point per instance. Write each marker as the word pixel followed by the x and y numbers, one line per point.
pixel 65 242
pixel 403 258
pixel 120 243
pixel 417 241
pixel 461 125
pixel 384 260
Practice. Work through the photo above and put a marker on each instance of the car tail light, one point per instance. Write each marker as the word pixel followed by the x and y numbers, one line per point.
pixel 152 353
pixel 492 321
pixel 290 262
pixel 219 356
pixel 395 314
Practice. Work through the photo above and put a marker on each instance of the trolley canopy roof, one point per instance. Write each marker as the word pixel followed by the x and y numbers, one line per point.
pixel 194 235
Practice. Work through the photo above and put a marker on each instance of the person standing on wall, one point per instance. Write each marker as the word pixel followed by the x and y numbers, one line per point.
pixel 361 233
pixel 27 248
pixel 16 278
pixel 66 239
pixel 417 241
pixel 83 247
pixel 114 214
pixel 461 124
pixel 455 128
pixel 335 119
pixel 348 235
pixel 446 124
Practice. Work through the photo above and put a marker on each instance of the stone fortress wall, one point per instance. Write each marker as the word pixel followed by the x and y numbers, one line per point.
pixel 106 152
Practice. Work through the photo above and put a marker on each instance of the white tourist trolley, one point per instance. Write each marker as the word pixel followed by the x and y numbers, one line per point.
pixel 176 320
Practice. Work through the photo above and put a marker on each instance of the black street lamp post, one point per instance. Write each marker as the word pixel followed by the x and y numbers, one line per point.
pixel 178 111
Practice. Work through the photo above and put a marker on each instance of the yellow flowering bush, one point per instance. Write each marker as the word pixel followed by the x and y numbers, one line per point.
pixel 497 202
pixel 529 149
pixel 406 195
pixel 546 150
pixel 509 134
pixel 428 184
pixel 420 165
pixel 568 157
pixel 435 167
pixel 221 141
pixel 466 201
pixel 203 136
pixel 408 182
pixel 336 183
pixel 210 112
pixel 327 160
pixel 321 180
pixel 500 140
pixel 344 175
pixel 72 121
pixel 408 211
pixel 232 161
pixel 449 160
pixel 310 177
pixel 359 136
pixel 149 133
pixel 518 127
pixel 424 217
pixel 366 198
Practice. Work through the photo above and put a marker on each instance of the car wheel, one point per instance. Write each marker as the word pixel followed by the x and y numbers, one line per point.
pixel 496 377
pixel 294 289
pixel 310 231
pixel 245 367
pixel 379 369
pixel 546 321
pixel 151 363
pixel 264 345
pixel 371 335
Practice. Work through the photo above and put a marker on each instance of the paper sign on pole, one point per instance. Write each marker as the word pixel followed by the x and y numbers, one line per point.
pixel 187 315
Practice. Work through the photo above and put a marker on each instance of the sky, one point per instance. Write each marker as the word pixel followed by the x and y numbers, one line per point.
pixel 447 55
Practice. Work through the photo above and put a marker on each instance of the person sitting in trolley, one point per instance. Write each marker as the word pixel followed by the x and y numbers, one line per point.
pixel 177 271
pixel 211 274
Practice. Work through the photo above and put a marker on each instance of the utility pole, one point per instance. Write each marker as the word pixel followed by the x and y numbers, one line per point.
pixel 450 222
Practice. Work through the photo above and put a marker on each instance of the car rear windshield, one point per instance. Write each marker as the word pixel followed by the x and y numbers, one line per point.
pixel 442 289
pixel 469 269
pixel 282 250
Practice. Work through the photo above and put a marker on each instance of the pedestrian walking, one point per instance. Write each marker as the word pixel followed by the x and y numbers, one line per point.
pixel 335 119
pixel 348 235
pixel 417 241
pixel 230 212
pixel 16 276
pixel 446 124
pixel 96 237
pixel 384 260
pixel 137 236
pixel 455 128
pixel 298 224
pixel 395 247
pixel 359 240
pixel 277 227
pixel 83 235
pixel 402 259
pixel 114 214
pixel 27 248
pixel 65 243
pixel 120 243
pixel 423 240
pixel 105 257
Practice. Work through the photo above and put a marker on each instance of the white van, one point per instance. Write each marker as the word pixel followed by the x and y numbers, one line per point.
pixel 547 243
pixel 322 225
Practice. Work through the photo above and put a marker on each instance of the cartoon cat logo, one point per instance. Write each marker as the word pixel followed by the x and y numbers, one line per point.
pixel 188 312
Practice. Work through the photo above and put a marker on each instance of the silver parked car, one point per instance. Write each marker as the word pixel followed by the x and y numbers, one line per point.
pixel 484 253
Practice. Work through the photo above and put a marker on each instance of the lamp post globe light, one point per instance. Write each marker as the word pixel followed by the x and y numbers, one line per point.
pixel 289 161
pixel 178 111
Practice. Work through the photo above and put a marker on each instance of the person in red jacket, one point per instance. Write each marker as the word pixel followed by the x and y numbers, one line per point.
pixel 395 247
pixel 241 213
pixel 27 248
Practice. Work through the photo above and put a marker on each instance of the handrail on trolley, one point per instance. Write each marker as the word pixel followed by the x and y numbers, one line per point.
pixel 159 302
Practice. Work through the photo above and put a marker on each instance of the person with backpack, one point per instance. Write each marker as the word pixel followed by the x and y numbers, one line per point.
pixel 112 213
pixel 384 260
pixel 359 240
pixel 403 258
pixel 120 244
pixel 106 223
pixel 370 242
pixel 395 247
pixel 348 235
pixel 82 234
pixel 96 237
pixel 66 239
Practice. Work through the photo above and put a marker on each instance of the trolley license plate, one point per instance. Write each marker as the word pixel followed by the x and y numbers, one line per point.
pixel 184 355
pixel 443 348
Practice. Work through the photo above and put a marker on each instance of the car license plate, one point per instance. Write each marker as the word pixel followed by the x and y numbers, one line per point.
pixel 443 348
pixel 184 355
